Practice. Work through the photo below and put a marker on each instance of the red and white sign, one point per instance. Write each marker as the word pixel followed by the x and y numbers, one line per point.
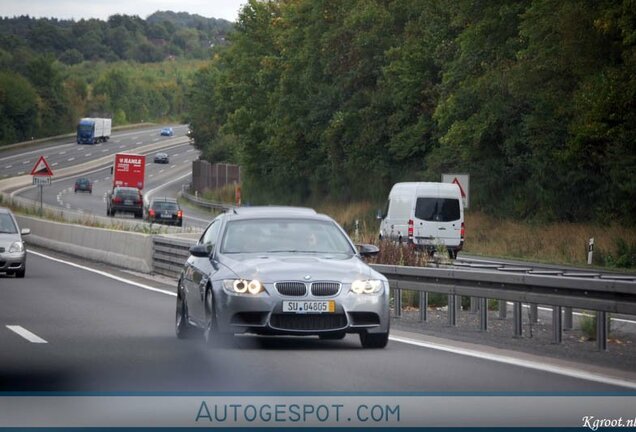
pixel 461 180
pixel 41 168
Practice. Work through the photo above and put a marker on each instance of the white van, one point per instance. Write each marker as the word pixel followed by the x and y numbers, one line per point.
pixel 425 215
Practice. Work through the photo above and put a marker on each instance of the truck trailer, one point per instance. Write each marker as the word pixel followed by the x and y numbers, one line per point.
pixel 93 130
pixel 129 170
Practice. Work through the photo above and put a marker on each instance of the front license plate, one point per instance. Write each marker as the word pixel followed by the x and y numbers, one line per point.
pixel 310 306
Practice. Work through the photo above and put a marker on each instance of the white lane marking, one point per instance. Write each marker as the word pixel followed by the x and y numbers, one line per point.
pixel 139 143
pixel 172 166
pixel 122 146
pixel 71 159
pixel 148 164
pixel 160 171
pixel 62 152
pixel 104 151
pixel 31 337
pixel 88 155
pixel 54 164
pixel 175 155
pixel 9 166
pixel 529 364
pixel 26 162
pixel 105 274
pixel 20 173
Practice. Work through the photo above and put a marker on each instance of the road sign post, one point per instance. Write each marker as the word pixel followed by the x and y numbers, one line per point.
pixel 42 174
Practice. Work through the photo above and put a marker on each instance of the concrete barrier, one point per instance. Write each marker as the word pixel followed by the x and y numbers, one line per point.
pixel 120 248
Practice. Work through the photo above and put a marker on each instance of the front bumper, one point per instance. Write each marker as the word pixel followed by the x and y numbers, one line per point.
pixel 264 314
pixel 10 262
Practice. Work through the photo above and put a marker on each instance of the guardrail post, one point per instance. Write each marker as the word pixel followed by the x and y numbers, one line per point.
pixel 423 306
pixel 503 309
pixel 557 328
pixel 452 310
pixel 397 301
pixel 517 318
pixel 483 314
pixel 601 330
pixel 474 305
pixel 458 304
pixel 567 318
pixel 534 313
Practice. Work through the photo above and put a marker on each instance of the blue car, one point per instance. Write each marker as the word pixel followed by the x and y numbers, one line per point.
pixel 167 131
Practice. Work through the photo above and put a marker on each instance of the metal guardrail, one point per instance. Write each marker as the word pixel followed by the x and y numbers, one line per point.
pixel 562 291
pixel 205 203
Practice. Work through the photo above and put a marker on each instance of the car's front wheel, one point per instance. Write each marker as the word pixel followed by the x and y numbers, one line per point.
pixel 183 328
pixel 374 340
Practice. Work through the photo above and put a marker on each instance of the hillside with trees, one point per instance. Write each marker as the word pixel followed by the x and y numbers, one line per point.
pixel 535 99
pixel 53 72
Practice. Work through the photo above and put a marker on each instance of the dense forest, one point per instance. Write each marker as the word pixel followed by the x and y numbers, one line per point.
pixel 535 99
pixel 53 72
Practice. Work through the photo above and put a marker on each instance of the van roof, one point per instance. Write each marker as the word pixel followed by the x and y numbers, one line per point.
pixel 422 188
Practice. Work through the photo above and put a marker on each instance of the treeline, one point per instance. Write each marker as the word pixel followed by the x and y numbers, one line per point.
pixel 163 35
pixel 45 98
pixel 535 99
pixel 53 72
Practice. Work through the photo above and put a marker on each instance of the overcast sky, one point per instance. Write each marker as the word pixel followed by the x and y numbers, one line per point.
pixel 102 9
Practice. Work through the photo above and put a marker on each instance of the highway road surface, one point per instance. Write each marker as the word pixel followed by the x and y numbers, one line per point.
pixel 81 326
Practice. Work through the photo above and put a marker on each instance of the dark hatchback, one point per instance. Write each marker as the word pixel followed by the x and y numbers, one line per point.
pixel 166 211
pixel 83 185
pixel 125 199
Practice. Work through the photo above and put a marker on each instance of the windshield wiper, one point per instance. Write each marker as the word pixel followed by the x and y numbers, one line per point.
pixel 8 232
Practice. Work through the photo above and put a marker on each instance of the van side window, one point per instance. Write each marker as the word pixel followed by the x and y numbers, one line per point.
pixel 437 209
pixel 386 209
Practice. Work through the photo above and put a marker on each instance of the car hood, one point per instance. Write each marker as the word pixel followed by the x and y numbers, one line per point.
pixel 274 268
pixel 7 239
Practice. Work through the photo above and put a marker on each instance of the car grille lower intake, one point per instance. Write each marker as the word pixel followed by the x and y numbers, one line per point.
pixel 296 289
pixel 308 322
pixel 325 289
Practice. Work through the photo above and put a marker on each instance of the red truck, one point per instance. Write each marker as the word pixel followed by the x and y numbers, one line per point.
pixel 128 181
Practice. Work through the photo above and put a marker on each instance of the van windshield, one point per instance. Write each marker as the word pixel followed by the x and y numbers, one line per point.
pixel 437 209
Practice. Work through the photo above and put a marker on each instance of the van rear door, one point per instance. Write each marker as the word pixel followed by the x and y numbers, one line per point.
pixel 437 220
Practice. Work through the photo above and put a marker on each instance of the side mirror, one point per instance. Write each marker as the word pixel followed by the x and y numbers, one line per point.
pixel 199 251
pixel 368 250
pixel 25 231
pixel 379 215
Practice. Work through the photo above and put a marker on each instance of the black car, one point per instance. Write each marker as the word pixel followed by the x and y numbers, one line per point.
pixel 125 199
pixel 162 158
pixel 83 185
pixel 165 210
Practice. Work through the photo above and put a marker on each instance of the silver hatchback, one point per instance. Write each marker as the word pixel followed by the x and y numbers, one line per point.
pixel 281 270
pixel 12 250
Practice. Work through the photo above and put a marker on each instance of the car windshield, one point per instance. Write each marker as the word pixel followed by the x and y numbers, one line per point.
pixel 161 206
pixel 6 224
pixel 284 236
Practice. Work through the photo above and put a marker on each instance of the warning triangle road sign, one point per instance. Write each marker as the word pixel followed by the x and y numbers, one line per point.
pixel 461 189
pixel 41 168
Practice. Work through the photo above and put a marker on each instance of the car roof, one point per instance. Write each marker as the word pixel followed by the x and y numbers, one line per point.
pixel 275 212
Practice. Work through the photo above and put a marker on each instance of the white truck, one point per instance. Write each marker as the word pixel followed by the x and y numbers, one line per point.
pixel 93 130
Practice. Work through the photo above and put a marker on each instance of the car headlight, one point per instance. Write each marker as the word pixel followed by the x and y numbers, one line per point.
pixel 16 247
pixel 371 286
pixel 242 286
